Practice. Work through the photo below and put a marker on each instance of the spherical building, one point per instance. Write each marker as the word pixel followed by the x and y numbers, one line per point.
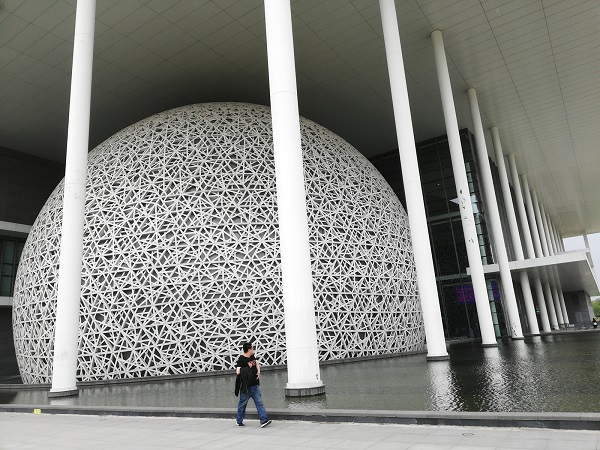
pixel 181 254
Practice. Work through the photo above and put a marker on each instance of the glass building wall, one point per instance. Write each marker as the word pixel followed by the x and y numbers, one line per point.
pixel 10 253
pixel 457 301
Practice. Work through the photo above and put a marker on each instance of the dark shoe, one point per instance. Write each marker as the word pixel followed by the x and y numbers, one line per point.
pixel 264 424
pixel 241 424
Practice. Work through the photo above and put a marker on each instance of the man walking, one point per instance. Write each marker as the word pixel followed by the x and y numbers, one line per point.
pixel 247 385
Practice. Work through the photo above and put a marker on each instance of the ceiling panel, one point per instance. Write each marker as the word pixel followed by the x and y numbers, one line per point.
pixel 534 63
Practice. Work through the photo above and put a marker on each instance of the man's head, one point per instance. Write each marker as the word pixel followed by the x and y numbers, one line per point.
pixel 248 349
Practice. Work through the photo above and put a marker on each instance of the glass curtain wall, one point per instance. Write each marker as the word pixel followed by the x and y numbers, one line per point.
pixel 455 289
pixel 10 253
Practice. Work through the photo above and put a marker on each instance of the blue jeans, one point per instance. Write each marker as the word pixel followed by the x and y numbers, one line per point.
pixel 254 393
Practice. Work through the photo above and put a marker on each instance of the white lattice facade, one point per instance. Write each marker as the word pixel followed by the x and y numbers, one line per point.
pixel 181 255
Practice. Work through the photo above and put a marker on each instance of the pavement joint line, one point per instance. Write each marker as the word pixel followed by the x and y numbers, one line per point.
pixel 558 421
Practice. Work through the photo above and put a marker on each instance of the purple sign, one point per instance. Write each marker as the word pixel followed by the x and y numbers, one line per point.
pixel 465 294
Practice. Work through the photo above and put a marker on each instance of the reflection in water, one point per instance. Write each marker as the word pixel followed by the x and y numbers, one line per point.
pixel 493 394
pixel 443 393
pixel 549 373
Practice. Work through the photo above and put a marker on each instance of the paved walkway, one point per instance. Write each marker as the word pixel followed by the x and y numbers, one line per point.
pixel 46 431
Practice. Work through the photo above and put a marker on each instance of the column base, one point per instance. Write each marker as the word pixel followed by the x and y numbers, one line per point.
pixel 305 392
pixel 58 394
pixel 489 345
pixel 438 358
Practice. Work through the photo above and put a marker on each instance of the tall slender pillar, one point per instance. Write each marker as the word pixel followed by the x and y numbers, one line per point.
pixel 554 250
pixel 533 226
pixel 430 304
pixel 541 219
pixel 546 220
pixel 557 306
pixel 553 234
pixel 487 182
pixel 550 305
pixel 544 302
pixel 520 204
pixel 538 219
pixel 462 191
pixel 529 248
pixel 552 273
pixel 563 305
pixel 304 377
pixel 64 364
pixel 514 230
pixel 559 239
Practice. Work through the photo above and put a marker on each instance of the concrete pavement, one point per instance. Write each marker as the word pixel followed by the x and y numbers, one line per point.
pixel 48 431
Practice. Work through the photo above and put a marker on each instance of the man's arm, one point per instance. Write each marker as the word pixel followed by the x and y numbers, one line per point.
pixel 237 370
pixel 258 369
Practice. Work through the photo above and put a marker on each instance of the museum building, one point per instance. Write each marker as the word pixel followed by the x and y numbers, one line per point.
pixel 315 226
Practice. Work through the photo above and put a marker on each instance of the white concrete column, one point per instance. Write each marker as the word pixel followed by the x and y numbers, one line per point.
pixel 540 226
pixel 545 304
pixel 487 182
pixel 551 242
pixel 542 303
pixel 527 217
pixel 563 305
pixel 546 222
pixel 514 230
pixel 533 226
pixel 430 304
pixel 462 191
pixel 556 300
pixel 559 239
pixel 561 298
pixel 64 364
pixel 550 306
pixel 552 274
pixel 520 203
pixel 553 234
pixel 525 284
pixel 510 212
pixel 561 313
pixel 304 376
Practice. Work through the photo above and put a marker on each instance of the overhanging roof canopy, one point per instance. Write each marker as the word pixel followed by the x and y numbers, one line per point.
pixel 573 269
pixel 535 65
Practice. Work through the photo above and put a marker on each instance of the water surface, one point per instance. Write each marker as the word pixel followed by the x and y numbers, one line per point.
pixel 549 373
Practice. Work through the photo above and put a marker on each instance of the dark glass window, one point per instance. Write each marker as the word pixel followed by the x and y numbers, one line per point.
pixel 459 313
pixel 10 253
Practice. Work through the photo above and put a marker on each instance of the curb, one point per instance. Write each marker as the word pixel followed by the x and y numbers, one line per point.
pixel 560 421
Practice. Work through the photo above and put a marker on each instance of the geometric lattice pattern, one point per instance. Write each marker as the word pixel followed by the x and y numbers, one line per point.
pixel 181 253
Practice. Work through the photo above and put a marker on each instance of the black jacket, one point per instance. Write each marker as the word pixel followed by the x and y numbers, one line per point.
pixel 245 379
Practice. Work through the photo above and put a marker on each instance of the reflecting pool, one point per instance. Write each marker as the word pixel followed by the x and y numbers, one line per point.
pixel 549 373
